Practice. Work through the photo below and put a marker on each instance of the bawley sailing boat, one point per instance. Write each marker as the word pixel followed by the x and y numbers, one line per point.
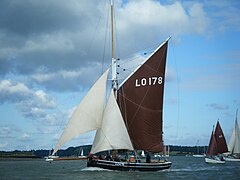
pixel 234 144
pixel 217 146
pixel 131 119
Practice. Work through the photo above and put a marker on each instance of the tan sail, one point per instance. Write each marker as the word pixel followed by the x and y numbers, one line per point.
pixel 113 133
pixel 89 113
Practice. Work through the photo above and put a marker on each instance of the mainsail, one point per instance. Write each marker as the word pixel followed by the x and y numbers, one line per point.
pixel 89 113
pixel 221 141
pixel 234 143
pixel 140 99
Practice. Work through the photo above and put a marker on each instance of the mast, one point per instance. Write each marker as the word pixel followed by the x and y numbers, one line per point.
pixel 236 114
pixel 114 61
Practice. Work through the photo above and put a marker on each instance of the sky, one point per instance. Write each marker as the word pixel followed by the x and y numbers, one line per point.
pixel 52 52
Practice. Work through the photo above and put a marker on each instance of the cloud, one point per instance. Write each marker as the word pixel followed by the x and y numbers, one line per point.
pixel 25 137
pixel 54 35
pixel 227 12
pixel 67 80
pixel 4 145
pixel 36 16
pixel 5 132
pixel 220 76
pixel 31 103
pixel 149 21
pixel 217 106
pixel 20 94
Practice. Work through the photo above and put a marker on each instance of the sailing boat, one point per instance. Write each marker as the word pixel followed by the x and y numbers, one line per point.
pixel 82 155
pixel 198 153
pixel 234 144
pixel 217 146
pixel 131 119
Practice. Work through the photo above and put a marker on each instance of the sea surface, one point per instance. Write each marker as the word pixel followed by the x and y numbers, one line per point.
pixel 182 168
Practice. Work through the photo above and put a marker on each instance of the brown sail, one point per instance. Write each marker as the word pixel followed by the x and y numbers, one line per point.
pixel 140 99
pixel 212 147
pixel 221 141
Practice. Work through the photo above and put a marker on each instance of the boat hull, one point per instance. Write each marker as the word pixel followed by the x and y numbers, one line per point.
pixel 66 158
pixel 198 155
pixel 128 166
pixel 214 160
pixel 232 159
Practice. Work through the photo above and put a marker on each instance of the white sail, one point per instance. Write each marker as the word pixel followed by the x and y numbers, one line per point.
pixel 88 114
pixel 234 144
pixel 113 133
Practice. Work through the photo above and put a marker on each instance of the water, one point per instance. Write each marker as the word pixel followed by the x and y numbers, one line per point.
pixel 182 168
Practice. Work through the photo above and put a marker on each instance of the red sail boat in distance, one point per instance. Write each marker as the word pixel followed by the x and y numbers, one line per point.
pixel 217 146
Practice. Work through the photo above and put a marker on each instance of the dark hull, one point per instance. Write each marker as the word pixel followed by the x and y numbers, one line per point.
pixel 128 166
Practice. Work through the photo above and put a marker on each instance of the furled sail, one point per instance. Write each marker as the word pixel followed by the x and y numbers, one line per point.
pixel 88 114
pixel 212 147
pixel 113 133
pixel 234 143
pixel 140 99
pixel 221 141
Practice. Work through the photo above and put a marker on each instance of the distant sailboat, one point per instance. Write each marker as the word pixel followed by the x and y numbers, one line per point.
pixel 217 146
pixel 198 153
pixel 57 158
pixel 132 121
pixel 234 144
pixel 82 154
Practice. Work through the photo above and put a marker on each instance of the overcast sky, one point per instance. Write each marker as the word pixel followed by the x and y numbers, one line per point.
pixel 52 51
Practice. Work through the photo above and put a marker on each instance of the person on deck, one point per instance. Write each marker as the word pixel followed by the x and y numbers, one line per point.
pixel 148 158
pixel 108 157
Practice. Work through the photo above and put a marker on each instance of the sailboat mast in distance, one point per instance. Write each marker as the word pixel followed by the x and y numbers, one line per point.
pixel 234 143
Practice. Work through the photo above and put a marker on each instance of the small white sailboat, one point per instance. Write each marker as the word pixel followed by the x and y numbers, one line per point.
pixel 81 155
pixel 234 144
pixel 217 146
pixel 198 155
pixel 50 157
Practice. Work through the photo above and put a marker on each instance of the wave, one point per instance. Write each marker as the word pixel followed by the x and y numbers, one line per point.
pixel 94 169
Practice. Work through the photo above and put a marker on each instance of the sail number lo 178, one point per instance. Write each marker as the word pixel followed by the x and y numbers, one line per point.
pixel 148 81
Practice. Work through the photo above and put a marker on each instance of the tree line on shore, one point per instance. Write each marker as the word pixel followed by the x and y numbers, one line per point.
pixel 75 151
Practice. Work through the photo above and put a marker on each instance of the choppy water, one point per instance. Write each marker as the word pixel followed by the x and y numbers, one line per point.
pixel 182 168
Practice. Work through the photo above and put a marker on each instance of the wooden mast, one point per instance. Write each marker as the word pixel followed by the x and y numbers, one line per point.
pixel 112 30
pixel 114 61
